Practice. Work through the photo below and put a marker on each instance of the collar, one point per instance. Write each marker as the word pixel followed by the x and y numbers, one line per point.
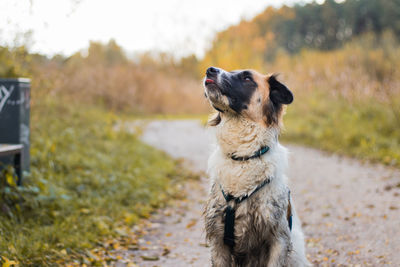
pixel 256 154
pixel 228 197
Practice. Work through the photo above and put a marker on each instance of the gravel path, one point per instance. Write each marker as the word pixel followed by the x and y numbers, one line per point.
pixel 349 210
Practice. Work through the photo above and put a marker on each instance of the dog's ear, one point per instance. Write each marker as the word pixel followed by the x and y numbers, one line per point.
pixel 278 92
pixel 279 95
pixel 214 119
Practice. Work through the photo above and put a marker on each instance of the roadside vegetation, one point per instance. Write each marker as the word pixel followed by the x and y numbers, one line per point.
pixel 346 101
pixel 88 183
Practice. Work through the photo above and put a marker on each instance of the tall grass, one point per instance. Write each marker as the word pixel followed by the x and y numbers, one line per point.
pixel 364 129
pixel 127 88
pixel 347 100
pixel 107 78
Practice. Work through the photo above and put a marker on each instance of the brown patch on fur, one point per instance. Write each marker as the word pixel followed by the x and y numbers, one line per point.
pixel 214 119
pixel 272 113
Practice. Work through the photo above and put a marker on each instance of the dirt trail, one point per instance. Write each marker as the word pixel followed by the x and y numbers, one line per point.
pixel 350 211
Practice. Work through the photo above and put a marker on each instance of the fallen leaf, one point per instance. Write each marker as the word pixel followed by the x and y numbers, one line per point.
pixel 191 223
pixel 133 247
pixel 166 251
pixel 150 258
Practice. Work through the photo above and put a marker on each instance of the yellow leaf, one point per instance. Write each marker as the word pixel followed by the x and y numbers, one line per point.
pixel 191 224
pixel 130 218
pixel 7 262
pixel 10 179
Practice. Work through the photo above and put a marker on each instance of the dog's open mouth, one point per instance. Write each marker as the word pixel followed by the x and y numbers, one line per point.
pixel 212 85
pixel 209 81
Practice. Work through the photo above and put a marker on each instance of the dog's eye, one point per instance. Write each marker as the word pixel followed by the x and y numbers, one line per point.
pixel 246 78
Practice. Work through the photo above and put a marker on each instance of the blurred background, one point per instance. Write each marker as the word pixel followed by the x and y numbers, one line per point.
pixel 93 64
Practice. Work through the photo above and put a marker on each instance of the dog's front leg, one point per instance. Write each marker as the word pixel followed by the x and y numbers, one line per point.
pixel 220 255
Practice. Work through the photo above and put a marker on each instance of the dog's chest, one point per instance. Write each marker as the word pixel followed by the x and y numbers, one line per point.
pixel 254 222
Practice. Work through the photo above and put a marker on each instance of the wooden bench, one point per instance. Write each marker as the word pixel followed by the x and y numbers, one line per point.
pixel 16 151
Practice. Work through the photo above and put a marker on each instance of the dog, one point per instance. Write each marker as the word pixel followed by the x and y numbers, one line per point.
pixel 249 215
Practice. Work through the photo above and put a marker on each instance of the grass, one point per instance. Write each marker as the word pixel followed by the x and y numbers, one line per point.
pixel 85 179
pixel 365 128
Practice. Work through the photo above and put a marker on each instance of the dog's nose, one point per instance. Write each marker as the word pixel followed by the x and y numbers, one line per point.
pixel 212 72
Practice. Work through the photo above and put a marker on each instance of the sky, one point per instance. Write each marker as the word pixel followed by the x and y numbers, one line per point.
pixel 180 27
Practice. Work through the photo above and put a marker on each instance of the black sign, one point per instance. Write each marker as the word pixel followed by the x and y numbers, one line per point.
pixel 14 116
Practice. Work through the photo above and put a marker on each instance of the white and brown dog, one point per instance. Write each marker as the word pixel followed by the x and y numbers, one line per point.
pixel 249 218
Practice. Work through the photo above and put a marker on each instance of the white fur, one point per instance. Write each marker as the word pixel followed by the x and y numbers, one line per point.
pixel 239 178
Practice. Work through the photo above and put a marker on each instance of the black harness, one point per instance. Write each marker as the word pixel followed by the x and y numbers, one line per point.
pixel 229 237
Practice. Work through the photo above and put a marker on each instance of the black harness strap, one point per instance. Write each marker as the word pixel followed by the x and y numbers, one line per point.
pixel 229 229
pixel 289 212
pixel 229 197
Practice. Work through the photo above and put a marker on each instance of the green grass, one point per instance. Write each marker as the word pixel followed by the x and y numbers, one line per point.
pixel 365 129
pixel 85 178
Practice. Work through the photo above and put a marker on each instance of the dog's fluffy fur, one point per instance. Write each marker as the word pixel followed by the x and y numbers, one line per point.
pixel 250 109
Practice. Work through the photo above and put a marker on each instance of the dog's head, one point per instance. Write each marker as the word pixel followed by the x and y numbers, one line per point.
pixel 246 93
